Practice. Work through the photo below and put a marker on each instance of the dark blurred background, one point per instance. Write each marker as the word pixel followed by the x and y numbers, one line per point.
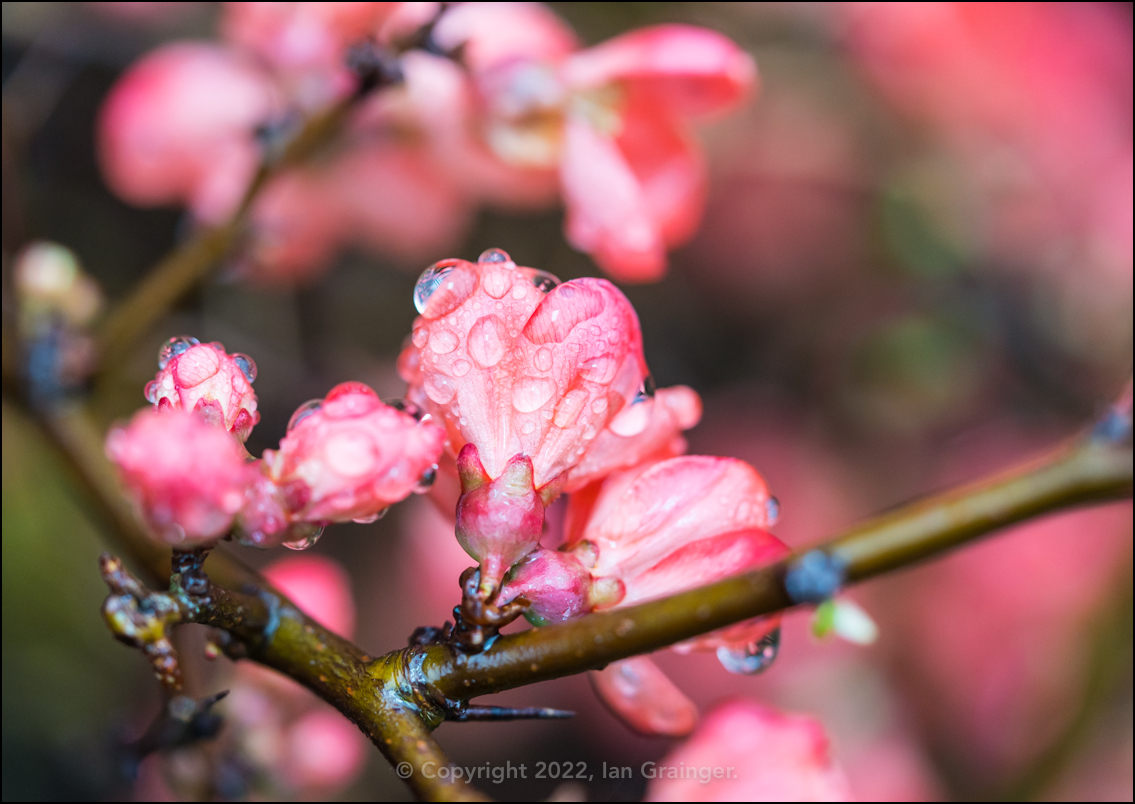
pixel 894 288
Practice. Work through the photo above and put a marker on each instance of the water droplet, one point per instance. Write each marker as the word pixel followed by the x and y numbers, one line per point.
pixel 532 393
pixel 174 347
pixel 772 511
pixel 528 428
pixel 443 341
pixel 543 358
pixel 366 520
pixel 439 388
pixel 494 255
pixel 303 411
pixel 544 281
pixel 406 407
pixel 460 368
pixel 152 392
pixel 420 336
pixel 646 391
pixel 428 283
pixel 599 405
pixel 753 658
pixel 487 341
pixel 246 365
pixel 570 406
pixel 426 481
pixel 600 369
pixel 308 539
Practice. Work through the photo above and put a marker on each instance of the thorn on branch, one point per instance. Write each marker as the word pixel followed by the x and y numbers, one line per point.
pixel 141 619
pixel 182 721
pixel 502 713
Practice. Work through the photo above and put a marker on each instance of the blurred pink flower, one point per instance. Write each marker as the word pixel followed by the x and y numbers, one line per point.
pixel 349 457
pixel 644 698
pixel 207 380
pixel 186 476
pixel 517 364
pixel 318 585
pixel 324 752
pixel 609 119
pixel 745 752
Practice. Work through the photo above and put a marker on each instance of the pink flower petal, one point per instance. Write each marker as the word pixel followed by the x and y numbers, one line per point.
pixel 320 586
pixel 641 696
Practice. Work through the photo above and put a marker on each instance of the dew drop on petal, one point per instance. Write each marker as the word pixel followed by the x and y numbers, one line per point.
pixel 599 405
pixel 426 481
pixel 303 411
pixel 460 368
pixel 246 365
pixel 647 390
pixel 570 406
pixel 428 283
pixel 152 392
pixel 443 341
pixel 439 388
pixel 600 369
pixel 544 281
pixel 532 393
pixel 420 336
pixel 494 255
pixel 543 358
pixel 305 541
pixel 528 428
pixel 408 408
pixel 752 659
pixel 174 347
pixel 487 341
pixel 772 511
pixel 366 520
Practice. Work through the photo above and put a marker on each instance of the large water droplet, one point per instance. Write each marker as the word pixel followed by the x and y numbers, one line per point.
pixel 429 282
pixel 532 393
pixel 246 365
pixel 303 411
pixel 443 341
pixel 494 255
pixel 544 281
pixel 174 347
pixel 753 658
pixel 487 341
pixel 308 539
pixel 366 520
pixel 772 511
pixel 426 481
pixel 152 392
pixel 646 391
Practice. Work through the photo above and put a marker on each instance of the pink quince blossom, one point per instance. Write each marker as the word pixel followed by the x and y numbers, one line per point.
pixel 207 380
pixel 349 457
pixel 187 477
pixel 746 752
pixel 517 364
pixel 610 120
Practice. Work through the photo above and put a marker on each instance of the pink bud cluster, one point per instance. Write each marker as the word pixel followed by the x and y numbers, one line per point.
pixel 543 388
pixel 516 115
pixel 346 457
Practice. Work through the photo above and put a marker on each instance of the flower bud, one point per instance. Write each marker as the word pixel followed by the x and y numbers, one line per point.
pixel 498 520
pixel 207 380
pixel 187 477
pixel 349 457
pixel 560 584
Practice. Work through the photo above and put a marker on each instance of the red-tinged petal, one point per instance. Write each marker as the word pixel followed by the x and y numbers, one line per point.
pixel 670 412
pixel 746 752
pixel 645 514
pixel 492 33
pixel 318 585
pixel 178 127
pixel 682 68
pixel 517 370
pixel 187 477
pixel 351 458
pixel 704 561
pixel 641 695
pixel 209 381
pixel 608 215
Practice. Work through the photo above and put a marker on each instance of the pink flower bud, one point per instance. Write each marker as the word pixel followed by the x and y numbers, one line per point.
pixel 178 128
pixel 499 519
pixel 318 585
pixel 746 752
pixel 349 457
pixel 517 364
pixel 644 698
pixel 560 584
pixel 187 477
pixel 207 380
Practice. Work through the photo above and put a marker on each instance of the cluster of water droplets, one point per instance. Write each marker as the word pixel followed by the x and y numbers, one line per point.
pixel 173 347
pixel 432 278
pixel 307 539
pixel 754 658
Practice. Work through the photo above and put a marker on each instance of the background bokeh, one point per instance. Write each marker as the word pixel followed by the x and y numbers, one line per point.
pixel 915 267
